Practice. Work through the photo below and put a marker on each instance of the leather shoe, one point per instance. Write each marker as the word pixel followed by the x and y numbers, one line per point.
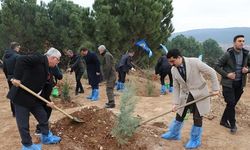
pixel 225 124
pixel 233 130
pixel 108 105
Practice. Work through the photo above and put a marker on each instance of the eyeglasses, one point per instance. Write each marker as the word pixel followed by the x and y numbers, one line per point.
pixel 57 59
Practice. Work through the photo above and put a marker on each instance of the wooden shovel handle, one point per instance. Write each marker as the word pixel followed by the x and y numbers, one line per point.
pixel 189 103
pixel 44 100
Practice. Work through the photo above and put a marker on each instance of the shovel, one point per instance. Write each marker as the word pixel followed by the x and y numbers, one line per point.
pixel 189 103
pixel 47 102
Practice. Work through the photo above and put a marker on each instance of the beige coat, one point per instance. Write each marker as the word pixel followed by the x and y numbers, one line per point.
pixel 195 84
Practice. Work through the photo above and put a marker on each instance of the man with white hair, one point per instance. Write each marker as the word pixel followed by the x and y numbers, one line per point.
pixel 109 74
pixel 54 74
pixel 32 72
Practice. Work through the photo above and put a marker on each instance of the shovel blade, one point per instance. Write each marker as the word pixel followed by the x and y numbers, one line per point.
pixel 78 120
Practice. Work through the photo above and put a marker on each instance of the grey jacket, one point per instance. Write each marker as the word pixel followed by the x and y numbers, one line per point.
pixel 195 84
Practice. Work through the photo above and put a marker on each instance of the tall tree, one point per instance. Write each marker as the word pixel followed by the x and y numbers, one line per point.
pixel 68 24
pixel 17 18
pixel 188 45
pixel 211 51
pixel 125 22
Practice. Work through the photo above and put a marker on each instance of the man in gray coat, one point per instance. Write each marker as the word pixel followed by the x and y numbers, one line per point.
pixel 109 74
pixel 189 84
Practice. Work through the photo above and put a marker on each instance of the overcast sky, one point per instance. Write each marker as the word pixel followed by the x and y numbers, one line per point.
pixel 197 14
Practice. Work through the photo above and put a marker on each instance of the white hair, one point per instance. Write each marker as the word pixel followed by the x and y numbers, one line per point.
pixel 102 47
pixel 53 52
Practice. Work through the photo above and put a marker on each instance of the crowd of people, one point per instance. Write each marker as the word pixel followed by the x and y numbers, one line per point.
pixel 186 82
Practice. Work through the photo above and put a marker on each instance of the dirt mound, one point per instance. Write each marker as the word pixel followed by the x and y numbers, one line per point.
pixel 94 133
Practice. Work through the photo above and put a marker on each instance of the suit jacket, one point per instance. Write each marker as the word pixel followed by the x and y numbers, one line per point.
pixel 32 71
pixel 195 84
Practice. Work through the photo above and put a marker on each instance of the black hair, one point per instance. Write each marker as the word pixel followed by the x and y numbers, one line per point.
pixel 83 49
pixel 175 53
pixel 238 36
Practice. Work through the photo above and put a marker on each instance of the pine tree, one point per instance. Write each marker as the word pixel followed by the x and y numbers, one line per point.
pixel 126 124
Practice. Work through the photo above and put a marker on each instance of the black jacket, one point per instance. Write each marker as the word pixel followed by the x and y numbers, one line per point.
pixel 125 63
pixel 227 63
pixel 162 65
pixel 9 61
pixel 32 71
pixel 76 64
pixel 93 66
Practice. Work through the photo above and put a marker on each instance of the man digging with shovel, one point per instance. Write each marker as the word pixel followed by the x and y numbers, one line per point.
pixel 32 71
pixel 189 84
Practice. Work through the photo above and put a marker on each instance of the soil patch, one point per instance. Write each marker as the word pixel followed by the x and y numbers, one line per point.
pixel 65 104
pixel 94 133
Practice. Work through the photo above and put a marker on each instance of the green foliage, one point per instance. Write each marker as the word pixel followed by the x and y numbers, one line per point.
pixel 119 24
pixel 65 91
pixel 188 46
pixel 212 52
pixel 126 124
pixel 63 24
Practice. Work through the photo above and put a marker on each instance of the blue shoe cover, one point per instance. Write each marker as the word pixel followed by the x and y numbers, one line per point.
pixel 171 89
pixel 95 95
pixel 195 138
pixel 50 138
pixel 32 147
pixel 174 131
pixel 163 89
pixel 118 86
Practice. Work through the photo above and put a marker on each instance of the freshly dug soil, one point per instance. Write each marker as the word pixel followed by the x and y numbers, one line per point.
pixel 94 133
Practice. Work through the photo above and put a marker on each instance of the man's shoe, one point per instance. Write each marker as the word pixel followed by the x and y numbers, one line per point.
pixel 108 105
pixel 233 129
pixel 225 124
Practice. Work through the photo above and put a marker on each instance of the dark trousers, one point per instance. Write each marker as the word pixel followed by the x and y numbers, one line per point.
pixel 121 75
pixel 78 76
pixel 162 78
pixel 193 108
pixel 95 86
pixel 231 97
pixel 110 85
pixel 22 120
pixel 12 107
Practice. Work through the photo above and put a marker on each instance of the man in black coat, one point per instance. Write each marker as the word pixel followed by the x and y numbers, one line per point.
pixel 233 67
pixel 123 67
pixel 93 71
pixel 32 72
pixel 54 74
pixel 76 65
pixel 9 61
pixel 163 68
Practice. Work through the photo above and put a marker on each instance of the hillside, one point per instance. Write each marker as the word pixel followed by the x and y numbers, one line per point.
pixel 223 36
